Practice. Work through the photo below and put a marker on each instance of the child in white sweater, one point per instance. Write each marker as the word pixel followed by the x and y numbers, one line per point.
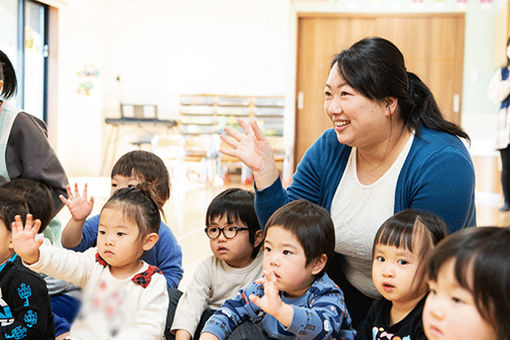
pixel 234 237
pixel 123 297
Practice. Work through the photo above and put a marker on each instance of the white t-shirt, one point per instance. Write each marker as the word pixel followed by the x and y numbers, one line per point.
pixel 358 211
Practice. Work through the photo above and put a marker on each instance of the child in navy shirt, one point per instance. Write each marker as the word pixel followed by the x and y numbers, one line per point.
pixel 295 298
pixel 398 271
pixel 25 310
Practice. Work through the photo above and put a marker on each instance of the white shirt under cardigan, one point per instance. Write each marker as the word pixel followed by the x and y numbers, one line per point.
pixel 111 308
pixel 369 206
pixel 213 282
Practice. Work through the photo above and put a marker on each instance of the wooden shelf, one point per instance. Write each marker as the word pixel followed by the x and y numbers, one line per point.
pixel 224 110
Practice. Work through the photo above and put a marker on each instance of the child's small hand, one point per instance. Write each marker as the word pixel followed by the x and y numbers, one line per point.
pixel 79 207
pixel 23 238
pixel 271 302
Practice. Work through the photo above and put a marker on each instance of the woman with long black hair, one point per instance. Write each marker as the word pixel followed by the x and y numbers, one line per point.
pixel 389 149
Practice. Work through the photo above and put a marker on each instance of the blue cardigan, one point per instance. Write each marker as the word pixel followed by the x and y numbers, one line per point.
pixel 166 254
pixel 437 176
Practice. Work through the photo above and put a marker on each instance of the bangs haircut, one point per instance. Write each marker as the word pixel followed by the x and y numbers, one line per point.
pixel 416 231
pixel 312 226
pixel 236 205
pixel 138 207
pixel 409 228
pixel 10 206
pixel 146 167
pixel 482 268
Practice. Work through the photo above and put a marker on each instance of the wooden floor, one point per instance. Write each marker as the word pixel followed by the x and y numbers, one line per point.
pixel 185 214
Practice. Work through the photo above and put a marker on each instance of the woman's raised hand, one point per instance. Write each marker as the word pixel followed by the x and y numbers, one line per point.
pixel 254 150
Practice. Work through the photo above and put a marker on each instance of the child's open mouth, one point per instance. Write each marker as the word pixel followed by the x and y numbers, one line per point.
pixel 388 287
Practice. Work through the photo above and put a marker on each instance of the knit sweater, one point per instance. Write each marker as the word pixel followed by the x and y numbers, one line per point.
pixel 437 176
pixel 319 314
pixel 112 308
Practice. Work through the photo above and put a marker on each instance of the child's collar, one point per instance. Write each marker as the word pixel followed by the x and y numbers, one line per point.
pixel 142 278
pixel 13 257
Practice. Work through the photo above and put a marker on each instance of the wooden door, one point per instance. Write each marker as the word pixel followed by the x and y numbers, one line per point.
pixel 432 45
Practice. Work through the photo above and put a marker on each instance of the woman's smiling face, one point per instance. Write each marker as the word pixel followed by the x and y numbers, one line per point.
pixel 358 121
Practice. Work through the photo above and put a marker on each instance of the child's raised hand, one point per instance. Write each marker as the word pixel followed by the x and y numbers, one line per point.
pixel 78 205
pixel 271 302
pixel 23 238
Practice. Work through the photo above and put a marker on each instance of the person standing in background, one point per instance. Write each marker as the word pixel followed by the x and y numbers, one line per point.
pixel 499 93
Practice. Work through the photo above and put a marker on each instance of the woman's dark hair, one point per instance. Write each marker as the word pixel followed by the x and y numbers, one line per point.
pixel 482 267
pixel 36 195
pixel 10 206
pixel 137 205
pixel 410 229
pixel 312 226
pixel 375 67
pixel 8 75
pixel 237 206
pixel 148 167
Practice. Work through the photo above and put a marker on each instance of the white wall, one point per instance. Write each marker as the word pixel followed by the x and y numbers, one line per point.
pixel 81 41
pixel 160 49
pixel 163 48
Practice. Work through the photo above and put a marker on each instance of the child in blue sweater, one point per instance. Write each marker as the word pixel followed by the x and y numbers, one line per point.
pixel 295 298
pixel 131 169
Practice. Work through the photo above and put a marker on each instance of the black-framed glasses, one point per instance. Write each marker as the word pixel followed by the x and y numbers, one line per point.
pixel 228 231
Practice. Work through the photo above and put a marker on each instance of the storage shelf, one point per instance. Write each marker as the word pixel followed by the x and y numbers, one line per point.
pixel 224 110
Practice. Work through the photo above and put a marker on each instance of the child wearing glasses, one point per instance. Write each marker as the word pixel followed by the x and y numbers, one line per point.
pixel 234 237
pixel 295 299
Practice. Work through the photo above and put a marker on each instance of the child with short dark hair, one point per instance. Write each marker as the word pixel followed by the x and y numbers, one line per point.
pixel 24 301
pixel 295 298
pixel 235 238
pixel 469 282
pixel 123 296
pixel 398 271
pixel 64 296
pixel 131 169
pixel 36 195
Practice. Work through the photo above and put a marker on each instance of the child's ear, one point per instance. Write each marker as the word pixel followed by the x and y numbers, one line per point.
pixel 9 237
pixel 319 264
pixel 150 241
pixel 259 237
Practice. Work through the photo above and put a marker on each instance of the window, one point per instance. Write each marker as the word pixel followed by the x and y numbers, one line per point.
pixel 24 39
